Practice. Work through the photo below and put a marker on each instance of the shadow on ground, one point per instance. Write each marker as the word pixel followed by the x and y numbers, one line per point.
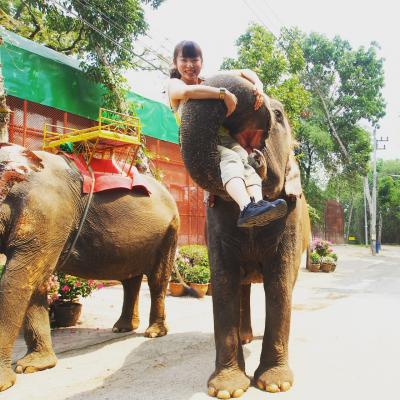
pixel 161 360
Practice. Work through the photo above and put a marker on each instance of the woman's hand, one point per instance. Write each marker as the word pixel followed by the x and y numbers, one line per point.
pixel 230 101
pixel 258 91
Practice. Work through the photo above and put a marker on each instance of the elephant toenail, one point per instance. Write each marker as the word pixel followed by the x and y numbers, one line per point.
pixel 285 386
pixel 212 391
pixel 237 393
pixel 19 369
pixel 273 388
pixel 260 385
pixel 224 394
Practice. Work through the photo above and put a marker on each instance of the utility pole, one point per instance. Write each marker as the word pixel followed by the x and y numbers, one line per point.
pixel 373 208
pixel 365 215
pixel 374 184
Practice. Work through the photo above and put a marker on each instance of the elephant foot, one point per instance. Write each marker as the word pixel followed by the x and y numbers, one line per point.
pixel 246 336
pixel 156 330
pixel 7 378
pixel 228 383
pixel 123 325
pixel 36 361
pixel 275 379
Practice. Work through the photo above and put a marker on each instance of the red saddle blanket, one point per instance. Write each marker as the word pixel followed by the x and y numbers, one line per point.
pixel 108 175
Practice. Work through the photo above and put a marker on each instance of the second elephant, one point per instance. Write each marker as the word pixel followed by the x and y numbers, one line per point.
pixel 126 235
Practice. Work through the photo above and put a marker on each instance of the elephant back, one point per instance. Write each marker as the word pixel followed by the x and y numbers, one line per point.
pixel 202 119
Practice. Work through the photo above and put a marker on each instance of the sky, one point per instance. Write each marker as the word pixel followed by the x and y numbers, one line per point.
pixel 217 24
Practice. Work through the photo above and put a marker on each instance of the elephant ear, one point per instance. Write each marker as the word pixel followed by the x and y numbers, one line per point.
pixel 292 178
pixel 16 164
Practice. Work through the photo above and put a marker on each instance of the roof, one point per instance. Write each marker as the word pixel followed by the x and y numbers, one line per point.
pixel 36 73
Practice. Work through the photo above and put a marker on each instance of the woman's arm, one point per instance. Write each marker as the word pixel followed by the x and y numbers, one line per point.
pixel 179 90
pixel 252 77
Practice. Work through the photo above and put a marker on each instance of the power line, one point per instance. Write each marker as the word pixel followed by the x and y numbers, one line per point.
pixel 278 18
pixel 115 25
pixel 258 17
pixel 107 37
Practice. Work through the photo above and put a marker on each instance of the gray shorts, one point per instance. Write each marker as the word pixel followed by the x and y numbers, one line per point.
pixel 234 163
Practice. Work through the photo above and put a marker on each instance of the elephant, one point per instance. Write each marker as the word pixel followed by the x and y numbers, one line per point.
pixel 240 256
pixel 126 234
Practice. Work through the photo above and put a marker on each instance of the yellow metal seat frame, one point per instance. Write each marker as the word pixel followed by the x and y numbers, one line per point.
pixel 113 131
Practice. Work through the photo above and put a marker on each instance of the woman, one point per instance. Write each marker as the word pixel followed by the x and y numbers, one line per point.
pixel 240 180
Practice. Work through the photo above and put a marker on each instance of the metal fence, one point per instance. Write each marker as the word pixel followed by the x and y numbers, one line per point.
pixel 26 128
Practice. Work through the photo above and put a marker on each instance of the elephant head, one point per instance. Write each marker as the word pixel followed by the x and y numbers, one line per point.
pixel 266 129
pixel 16 163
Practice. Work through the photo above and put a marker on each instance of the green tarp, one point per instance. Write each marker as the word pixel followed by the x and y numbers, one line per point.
pixel 36 73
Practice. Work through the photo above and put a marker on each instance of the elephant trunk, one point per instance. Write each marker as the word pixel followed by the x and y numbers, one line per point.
pixel 201 122
pixel 276 162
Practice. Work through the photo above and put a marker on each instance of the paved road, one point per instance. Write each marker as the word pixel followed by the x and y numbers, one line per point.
pixel 344 342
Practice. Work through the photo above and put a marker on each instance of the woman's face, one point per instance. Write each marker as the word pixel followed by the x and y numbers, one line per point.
pixel 189 68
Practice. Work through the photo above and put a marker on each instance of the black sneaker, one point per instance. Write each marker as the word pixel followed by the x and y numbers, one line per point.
pixel 261 213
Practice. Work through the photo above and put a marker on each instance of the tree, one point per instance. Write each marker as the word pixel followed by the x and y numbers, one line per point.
pixel 102 34
pixel 278 63
pixel 346 88
pixel 389 199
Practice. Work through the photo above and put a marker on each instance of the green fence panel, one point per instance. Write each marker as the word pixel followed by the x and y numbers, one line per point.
pixel 36 73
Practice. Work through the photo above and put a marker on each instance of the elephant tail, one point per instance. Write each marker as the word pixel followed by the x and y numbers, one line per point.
pixel 188 290
pixel 308 260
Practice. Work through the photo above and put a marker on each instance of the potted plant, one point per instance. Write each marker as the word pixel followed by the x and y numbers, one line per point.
pixel 334 256
pixel 198 277
pixel 327 263
pixel 66 306
pixel 187 258
pixel 315 260
pixel 176 286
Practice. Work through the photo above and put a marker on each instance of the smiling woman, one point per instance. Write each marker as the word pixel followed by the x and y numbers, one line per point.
pixel 239 178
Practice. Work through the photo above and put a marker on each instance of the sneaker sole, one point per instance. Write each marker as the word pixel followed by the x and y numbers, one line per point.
pixel 266 218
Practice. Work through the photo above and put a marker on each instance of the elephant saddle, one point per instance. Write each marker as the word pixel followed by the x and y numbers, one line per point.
pixel 108 175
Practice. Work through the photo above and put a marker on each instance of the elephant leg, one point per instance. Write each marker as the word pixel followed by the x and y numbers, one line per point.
pixel 15 293
pixel 129 319
pixel 274 374
pixel 158 282
pixel 229 378
pixel 246 332
pixel 40 353
pixel 157 326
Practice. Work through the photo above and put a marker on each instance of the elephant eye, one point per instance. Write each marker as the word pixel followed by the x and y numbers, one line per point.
pixel 278 115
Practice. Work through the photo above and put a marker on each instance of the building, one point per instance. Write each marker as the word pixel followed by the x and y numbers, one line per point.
pixel 44 86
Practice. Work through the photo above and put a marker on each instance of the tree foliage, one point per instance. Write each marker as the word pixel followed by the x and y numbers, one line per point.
pixel 389 199
pixel 277 63
pixel 346 87
pixel 328 89
pixel 102 34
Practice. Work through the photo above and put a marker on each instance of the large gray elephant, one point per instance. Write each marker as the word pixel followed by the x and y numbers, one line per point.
pixel 240 256
pixel 125 235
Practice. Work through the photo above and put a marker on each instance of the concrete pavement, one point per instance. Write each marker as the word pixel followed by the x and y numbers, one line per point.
pixel 344 342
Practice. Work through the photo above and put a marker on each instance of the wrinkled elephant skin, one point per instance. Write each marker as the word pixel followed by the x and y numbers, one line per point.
pixel 241 256
pixel 126 235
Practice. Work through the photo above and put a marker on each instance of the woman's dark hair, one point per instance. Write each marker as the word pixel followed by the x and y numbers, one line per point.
pixel 188 49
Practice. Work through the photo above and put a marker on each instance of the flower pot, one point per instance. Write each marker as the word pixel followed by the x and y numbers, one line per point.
pixel 176 289
pixel 314 267
pixel 66 313
pixel 326 267
pixel 209 290
pixel 333 267
pixel 200 288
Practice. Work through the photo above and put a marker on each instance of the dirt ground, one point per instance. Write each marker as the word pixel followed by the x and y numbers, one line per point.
pixel 343 344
